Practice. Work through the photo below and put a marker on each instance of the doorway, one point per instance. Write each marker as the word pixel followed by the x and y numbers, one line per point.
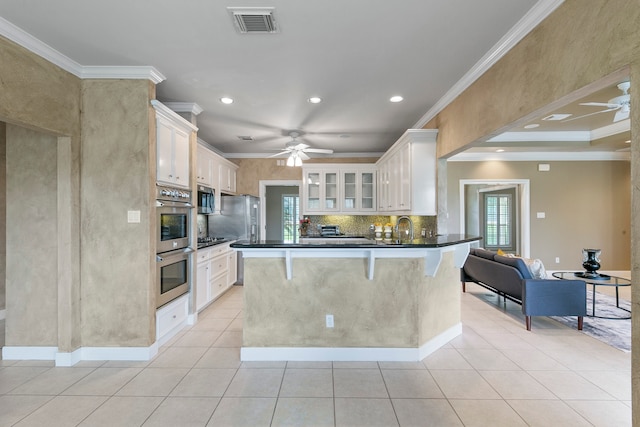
pixel 497 210
pixel 281 201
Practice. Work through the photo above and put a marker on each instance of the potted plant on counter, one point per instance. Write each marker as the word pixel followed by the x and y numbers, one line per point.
pixel 304 226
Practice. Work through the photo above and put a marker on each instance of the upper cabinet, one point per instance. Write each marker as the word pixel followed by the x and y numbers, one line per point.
pixel 339 188
pixel 205 171
pixel 227 176
pixel 407 175
pixel 213 170
pixel 172 146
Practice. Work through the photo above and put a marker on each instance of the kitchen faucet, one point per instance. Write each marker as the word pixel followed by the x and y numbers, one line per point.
pixel 409 231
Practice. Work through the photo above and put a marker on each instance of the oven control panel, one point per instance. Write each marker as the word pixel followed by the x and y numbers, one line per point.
pixel 173 194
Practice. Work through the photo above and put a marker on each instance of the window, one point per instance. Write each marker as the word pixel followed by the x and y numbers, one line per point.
pixel 290 215
pixel 498 221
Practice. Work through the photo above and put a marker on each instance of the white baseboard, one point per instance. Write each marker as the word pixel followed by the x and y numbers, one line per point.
pixel 349 354
pixel 29 353
pixel 83 353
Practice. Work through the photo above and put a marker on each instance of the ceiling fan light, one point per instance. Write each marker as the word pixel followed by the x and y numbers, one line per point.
pixel 291 161
pixel 297 162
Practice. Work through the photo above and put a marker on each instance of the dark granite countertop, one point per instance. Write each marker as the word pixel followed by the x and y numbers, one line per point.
pixel 429 242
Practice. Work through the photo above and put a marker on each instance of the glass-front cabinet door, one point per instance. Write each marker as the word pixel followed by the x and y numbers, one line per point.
pixel 331 191
pixel 349 193
pixel 358 190
pixel 368 191
pixel 321 191
pixel 312 184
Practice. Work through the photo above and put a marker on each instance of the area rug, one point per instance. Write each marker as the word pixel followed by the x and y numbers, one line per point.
pixel 615 332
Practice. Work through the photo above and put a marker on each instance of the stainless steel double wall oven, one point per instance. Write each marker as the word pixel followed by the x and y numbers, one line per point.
pixel 173 219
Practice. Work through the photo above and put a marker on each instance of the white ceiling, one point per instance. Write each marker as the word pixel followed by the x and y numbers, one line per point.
pixel 354 54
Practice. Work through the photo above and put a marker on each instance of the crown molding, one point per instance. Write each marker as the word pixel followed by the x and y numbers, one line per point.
pixel 328 156
pixel 27 41
pixel 185 107
pixel 535 16
pixel 122 72
pixel 568 136
pixel 612 129
pixel 542 156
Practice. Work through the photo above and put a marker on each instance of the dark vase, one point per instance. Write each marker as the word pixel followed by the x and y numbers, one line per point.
pixel 591 262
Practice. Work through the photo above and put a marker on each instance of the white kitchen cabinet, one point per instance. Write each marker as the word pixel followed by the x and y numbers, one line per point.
pixel 407 175
pixel 203 277
pixel 358 189
pixel 219 272
pixel 321 190
pixel 216 268
pixel 232 267
pixel 227 176
pixel 172 146
pixel 171 318
pixel 205 170
pixel 339 188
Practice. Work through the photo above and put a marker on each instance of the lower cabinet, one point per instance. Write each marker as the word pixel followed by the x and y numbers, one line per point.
pixel 171 318
pixel 215 273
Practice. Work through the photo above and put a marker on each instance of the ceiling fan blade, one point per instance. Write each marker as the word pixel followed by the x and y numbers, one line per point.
pixel 301 146
pixel 622 114
pixel 601 104
pixel 279 154
pixel 590 114
pixel 303 156
pixel 319 150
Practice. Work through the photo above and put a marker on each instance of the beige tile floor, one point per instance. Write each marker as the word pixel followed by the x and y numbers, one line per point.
pixel 495 374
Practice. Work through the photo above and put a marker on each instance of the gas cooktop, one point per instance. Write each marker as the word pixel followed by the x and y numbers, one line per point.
pixel 210 241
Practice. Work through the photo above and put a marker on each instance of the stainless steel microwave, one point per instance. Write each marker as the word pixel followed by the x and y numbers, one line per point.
pixel 206 200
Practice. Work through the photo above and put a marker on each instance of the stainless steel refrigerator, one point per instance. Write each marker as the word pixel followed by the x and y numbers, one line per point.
pixel 239 219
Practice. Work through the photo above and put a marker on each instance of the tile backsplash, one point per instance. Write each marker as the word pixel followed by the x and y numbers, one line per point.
pixel 359 224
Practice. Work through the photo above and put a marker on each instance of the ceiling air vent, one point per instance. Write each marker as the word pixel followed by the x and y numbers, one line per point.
pixel 254 20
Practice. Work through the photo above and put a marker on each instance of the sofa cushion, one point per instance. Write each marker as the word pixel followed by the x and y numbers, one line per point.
pixel 535 266
pixel 517 263
pixel 483 253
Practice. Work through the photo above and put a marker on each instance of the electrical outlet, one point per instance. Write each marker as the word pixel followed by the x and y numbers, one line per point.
pixel 329 320
pixel 557 260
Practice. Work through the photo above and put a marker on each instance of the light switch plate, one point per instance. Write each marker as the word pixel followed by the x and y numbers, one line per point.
pixel 540 215
pixel 133 217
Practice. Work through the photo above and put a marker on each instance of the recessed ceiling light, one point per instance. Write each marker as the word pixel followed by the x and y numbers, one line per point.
pixel 226 100
pixel 499 150
pixel 315 100
pixel 396 98
pixel 532 126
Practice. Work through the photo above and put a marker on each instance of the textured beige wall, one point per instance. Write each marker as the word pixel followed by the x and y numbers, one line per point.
pixel 587 204
pixel 32 262
pixel 399 308
pixel 117 281
pixel 115 302
pixel 577 46
pixel 555 59
pixel 3 213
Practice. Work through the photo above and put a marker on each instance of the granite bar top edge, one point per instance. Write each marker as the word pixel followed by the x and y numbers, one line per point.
pixel 430 242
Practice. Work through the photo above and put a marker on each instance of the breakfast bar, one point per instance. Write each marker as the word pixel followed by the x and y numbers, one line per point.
pixel 351 299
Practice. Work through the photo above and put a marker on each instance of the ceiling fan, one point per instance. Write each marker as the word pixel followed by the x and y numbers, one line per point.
pixel 297 150
pixel 620 103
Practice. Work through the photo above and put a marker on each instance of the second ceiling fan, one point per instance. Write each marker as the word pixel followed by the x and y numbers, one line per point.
pixel 297 150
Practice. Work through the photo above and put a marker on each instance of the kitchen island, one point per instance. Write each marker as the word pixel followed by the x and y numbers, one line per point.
pixel 354 300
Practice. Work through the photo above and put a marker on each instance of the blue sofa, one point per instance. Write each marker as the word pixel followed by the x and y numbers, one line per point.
pixel 511 278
